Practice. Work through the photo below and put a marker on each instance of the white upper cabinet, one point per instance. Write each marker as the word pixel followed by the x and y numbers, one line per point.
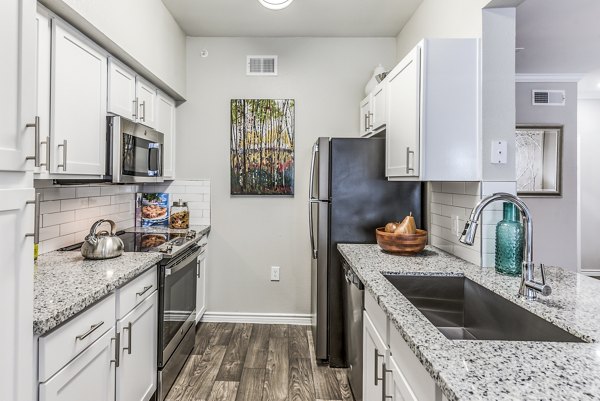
pixel 402 133
pixel 373 113
pixel 146 102
pixel 78 104
pixel 165 123
pixel 433 102
pixel 42 87
pixel 121 90
pixel 17 106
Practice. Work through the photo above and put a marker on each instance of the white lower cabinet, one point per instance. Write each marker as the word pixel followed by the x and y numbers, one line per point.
pixel 136 372
pixel 90 376
pixel 391 369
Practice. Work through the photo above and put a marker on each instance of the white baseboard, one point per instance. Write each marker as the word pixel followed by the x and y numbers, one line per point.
pixel 265 318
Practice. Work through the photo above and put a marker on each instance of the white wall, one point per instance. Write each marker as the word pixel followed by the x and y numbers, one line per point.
pixel 441 19
pixel 588 124
pixel 555 219
pixel 141 32
pixel 326 77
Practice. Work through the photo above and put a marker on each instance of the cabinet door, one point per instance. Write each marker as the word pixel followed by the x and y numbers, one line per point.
pixel 365 115
pixel 136 374
pixel 78 123
pixel 403 125
pixel 42 86
pixel 146 101
pixel 165 123
pixel 379 110
pixel 374 354
pixel 17 106
pixel 398 386
pixel 201 286
pixel 16 289
pixel 121 90
pixel 90 376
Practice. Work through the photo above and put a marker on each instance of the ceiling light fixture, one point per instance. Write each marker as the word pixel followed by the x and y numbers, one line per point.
pixel 275 4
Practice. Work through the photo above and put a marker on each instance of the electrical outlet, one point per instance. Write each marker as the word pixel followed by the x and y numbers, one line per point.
pixel 274 273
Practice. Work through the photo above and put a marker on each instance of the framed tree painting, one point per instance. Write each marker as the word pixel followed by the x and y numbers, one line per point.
pixel 262 147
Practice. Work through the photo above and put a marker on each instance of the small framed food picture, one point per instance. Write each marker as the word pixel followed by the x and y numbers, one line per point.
pixel 155 209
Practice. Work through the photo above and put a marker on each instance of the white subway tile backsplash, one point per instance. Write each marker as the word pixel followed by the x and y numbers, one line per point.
pixel 109 209
pixel 52 219
pixel 84 214
pixel 50 207
pixel 84 192
pixel 116 199
pixel 72 204
pixel 453 187
pixel 436 208
pixel 47 233
pixel 441 221
pixel 99 201
pixel 55 243
pixel 473 188
pixel 57 193
pixel 451 211
pixel 439 197
pixel 73 227
pixel 466 201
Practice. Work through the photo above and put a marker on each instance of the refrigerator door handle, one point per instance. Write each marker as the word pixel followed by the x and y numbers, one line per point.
pixel 313 160
pixel 311 228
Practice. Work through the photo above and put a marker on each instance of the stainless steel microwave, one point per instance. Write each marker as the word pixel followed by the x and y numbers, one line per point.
pixel 136 152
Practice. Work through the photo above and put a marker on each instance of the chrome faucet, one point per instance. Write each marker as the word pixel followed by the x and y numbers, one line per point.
pixel 529 287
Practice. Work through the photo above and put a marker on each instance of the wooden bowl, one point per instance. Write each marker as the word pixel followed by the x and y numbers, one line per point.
pixel 401 244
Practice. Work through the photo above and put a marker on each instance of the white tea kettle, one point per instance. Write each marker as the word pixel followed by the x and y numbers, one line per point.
pixel 102 245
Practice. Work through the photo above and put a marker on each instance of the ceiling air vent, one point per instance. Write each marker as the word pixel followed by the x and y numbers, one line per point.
pixel 541 97
pixel 261 65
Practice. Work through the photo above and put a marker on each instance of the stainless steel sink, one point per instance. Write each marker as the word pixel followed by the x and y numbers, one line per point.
pixel 463 310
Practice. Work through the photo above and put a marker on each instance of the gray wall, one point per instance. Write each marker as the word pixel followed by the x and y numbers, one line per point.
pixel 326 77
pixel 555 219
pixel 588 120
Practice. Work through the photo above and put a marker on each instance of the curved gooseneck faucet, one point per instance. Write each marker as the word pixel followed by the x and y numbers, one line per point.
pixel 529 287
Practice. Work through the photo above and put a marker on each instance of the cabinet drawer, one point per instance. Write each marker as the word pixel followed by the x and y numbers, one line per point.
pixel 68 340
pixel 377 315
pixel 135 292
pixel 413 372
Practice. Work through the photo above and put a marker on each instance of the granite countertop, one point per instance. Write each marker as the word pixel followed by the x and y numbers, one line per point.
pixel 493 370
pixel 65 283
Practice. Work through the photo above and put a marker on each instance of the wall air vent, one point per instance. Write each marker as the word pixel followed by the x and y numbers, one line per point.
pixel 543 97
pixel 261 65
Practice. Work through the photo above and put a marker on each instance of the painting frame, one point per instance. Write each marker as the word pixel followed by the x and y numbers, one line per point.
pixel 262 147
pixel 558 159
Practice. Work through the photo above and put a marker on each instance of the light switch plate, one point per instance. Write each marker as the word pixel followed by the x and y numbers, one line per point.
pixel 499 152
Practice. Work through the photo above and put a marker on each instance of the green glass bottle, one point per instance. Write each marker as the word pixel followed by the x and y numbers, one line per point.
pixel 509 242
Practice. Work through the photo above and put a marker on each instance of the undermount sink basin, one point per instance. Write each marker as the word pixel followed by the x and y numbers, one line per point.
pixel 464 310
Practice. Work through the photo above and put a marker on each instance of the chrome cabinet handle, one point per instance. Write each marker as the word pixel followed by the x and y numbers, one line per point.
pixel 64 163
pixel 384 383
pixel 36 218
pixel 93 328
pixel 408 153
pixel 366 119
pixel 376 376
pixel 117 359
pixel 143 105
pixel 36 152
pixel 47 144
pixel 135 107
pixel 128 348
pixel 144 290
pixel 370 120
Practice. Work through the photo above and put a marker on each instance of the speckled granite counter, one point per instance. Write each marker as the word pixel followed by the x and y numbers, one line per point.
pixel 493 370
pixel 65 283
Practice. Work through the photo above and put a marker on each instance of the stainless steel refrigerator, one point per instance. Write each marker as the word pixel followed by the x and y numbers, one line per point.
pixel 349 197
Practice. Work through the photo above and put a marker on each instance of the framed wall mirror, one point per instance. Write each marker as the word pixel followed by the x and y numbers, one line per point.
pixel 539 160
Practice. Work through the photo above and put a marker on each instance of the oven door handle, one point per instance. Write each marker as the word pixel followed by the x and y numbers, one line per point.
pixel 182 264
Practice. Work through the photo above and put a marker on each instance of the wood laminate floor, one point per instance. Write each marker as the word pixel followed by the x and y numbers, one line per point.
pixel 257 362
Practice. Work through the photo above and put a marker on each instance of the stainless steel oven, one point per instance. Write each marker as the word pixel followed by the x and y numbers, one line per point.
pixel 136 152
pixel 177 314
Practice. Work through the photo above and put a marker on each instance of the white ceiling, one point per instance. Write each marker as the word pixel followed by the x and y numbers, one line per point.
pixel 559 36
pixel 336 18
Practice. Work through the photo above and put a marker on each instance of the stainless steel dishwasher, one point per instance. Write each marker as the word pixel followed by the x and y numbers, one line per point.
pixel 353 322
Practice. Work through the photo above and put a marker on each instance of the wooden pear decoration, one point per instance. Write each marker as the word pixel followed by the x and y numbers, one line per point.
pixel 407 226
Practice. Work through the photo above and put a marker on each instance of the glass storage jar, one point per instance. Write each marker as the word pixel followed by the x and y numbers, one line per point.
pixel 180 215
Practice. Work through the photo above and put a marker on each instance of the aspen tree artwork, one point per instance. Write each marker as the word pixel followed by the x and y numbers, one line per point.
pixel 262 147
